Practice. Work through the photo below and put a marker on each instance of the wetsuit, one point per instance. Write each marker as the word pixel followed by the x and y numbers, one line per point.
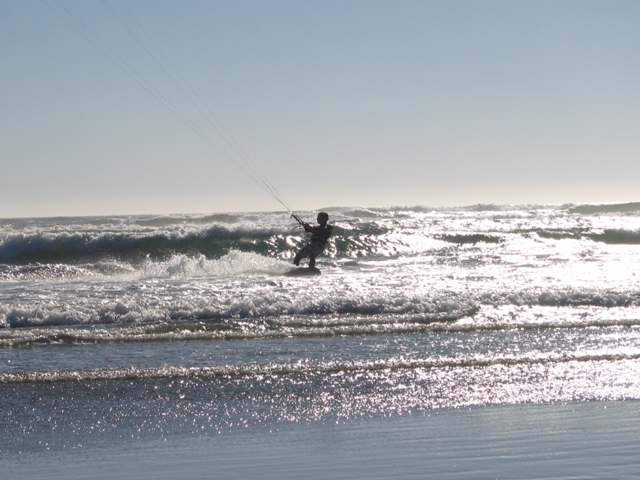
pixel 319 237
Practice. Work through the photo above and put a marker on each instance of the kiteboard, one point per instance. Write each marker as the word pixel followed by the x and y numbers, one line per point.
pixel 302 272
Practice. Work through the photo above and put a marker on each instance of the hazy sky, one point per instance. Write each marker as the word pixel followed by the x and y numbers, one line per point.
pixel 339 103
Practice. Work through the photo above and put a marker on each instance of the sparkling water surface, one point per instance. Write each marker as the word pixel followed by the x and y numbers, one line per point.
pixel 139 326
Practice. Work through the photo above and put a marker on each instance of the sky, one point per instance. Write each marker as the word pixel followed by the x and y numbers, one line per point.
pixel 117 106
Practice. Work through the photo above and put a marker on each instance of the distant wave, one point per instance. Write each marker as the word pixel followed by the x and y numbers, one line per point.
pixel 25 256
pixel 136 246
pixel 560 234
pixel 606 208
pixel 609 236
pixel 28 247
pixel 617 237
pixel 65 247
pixel 472 238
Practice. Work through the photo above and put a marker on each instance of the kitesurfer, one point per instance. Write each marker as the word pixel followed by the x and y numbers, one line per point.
pixel 319 237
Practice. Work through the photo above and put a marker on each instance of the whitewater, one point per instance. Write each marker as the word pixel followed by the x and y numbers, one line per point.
pixel 144 326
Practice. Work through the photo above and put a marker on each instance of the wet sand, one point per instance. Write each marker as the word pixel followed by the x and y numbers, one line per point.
pixel 574 440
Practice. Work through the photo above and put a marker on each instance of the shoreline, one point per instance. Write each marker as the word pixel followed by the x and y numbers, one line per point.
pixel 544 441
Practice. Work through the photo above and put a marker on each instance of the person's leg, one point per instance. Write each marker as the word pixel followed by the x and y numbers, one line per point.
pixel 304 253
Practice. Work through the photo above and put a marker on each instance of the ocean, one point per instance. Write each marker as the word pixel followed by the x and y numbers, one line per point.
pixel 142 330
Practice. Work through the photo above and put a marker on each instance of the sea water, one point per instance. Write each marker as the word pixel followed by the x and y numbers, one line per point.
pixel 120 328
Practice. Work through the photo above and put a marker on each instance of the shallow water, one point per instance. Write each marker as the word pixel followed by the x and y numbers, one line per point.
pixel 549 441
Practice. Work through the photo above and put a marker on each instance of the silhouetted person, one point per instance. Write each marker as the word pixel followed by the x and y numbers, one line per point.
pixel 318 240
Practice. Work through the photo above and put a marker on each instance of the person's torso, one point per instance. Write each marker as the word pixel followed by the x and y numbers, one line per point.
pixel 321 233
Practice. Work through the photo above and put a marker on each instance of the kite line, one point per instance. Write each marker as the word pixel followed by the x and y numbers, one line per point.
pixel 228 148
